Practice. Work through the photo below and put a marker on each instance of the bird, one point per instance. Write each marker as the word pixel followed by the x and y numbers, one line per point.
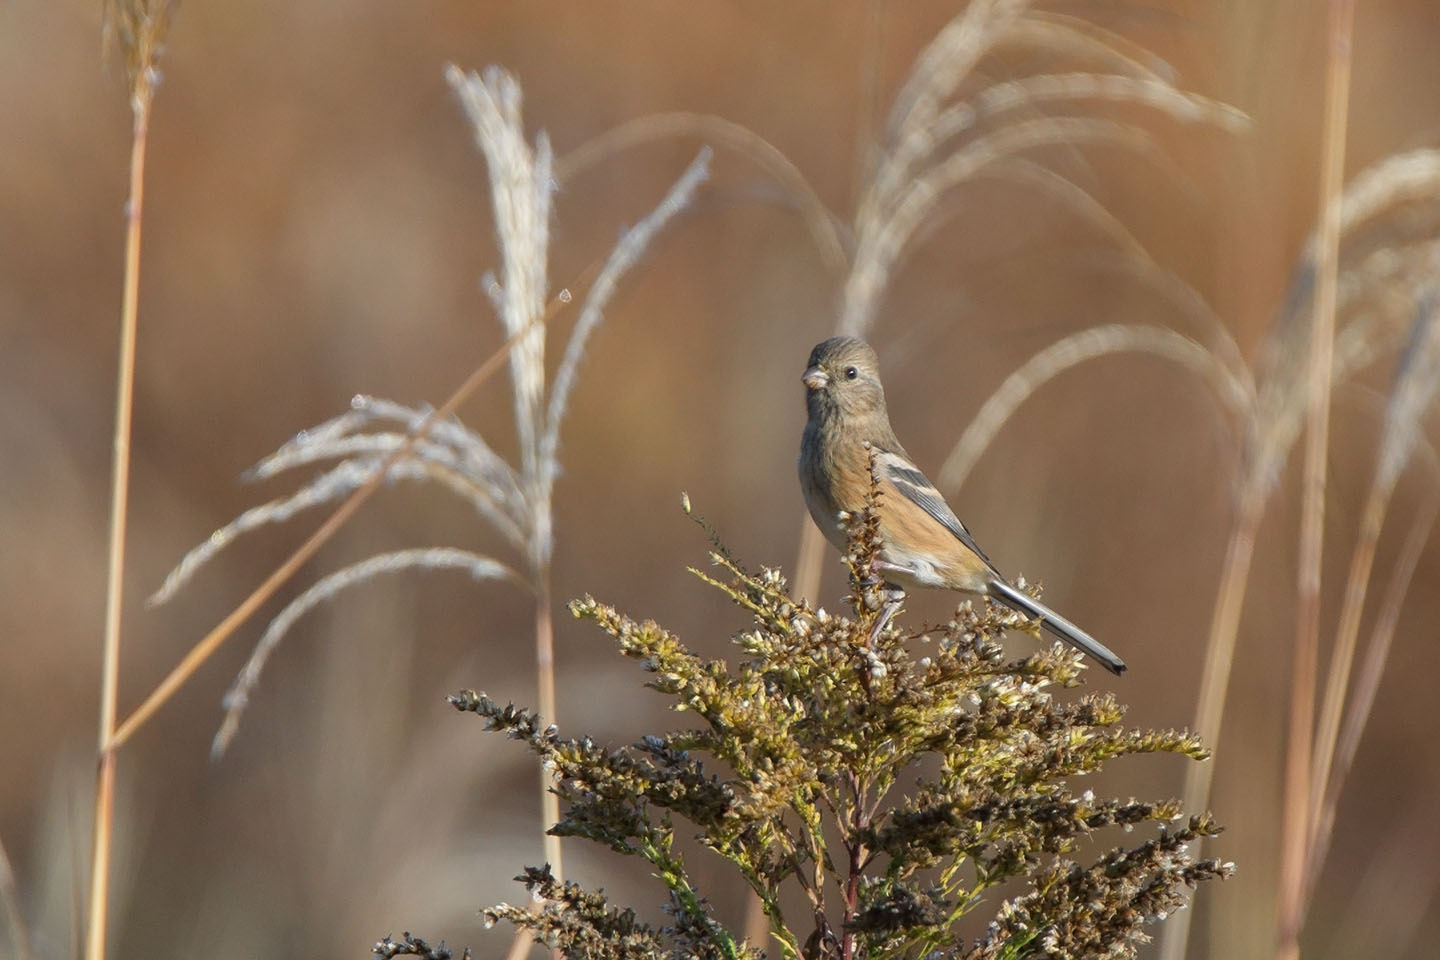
pixel 922 542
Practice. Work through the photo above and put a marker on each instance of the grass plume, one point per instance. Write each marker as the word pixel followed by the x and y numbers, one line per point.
pixel 367 449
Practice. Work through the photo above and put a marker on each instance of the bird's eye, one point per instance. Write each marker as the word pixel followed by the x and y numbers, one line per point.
pixel 851 373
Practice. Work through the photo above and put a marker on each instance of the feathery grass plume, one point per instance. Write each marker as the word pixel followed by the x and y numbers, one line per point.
pixel 1389 221
pixel 137 28
pixel 516 502
pixel 944 130
pixel 1389 216
pixel 892 786
pixel 237 698
pixel 947 126
pixel 1416 381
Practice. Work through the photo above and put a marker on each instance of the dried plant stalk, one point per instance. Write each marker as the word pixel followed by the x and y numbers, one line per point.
pixel 138 28
pixel 1296 821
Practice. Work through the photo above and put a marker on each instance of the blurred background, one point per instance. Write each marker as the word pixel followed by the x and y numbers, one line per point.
pixel 317 222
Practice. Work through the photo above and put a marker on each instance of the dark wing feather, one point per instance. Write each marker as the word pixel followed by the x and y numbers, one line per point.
pixel 905 477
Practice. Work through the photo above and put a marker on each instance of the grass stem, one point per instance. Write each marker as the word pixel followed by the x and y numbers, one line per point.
pixel 1299 774
pixel 95 930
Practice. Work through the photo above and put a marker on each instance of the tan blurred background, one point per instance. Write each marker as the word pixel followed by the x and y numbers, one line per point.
pixel 317 220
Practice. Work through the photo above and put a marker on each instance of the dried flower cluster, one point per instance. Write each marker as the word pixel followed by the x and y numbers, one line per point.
pixel 894 784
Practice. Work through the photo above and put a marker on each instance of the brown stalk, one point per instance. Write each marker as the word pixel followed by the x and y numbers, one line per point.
pixel 142 98
pixel 545 676
pixel 1367 684
pixel 1347 633
pixel 1296 819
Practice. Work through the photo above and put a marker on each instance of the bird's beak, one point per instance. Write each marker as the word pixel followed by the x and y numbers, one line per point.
pixel 815 378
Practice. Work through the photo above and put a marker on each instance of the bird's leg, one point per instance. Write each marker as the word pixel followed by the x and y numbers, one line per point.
pixel 894 597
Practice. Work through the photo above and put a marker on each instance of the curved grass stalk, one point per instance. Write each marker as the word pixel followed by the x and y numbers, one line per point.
pixel 880 239
pixel 1297 822
pixel 1158 94
pixel 1080 39
pixel 335 484
pixel 622 258
pixel 1367 684
pixel 237 698
pixel 825 233
pixel 1415 386
pixel 1231 388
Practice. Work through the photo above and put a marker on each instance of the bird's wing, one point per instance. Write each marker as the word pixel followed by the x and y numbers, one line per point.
pixel 896 470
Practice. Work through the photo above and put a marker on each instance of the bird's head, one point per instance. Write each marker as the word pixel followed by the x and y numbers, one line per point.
pixel 843 378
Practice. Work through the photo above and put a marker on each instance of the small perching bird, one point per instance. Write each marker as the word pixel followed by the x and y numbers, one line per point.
pixel 923 543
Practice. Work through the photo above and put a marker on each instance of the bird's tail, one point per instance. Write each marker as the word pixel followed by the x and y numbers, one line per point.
pixel 1057 625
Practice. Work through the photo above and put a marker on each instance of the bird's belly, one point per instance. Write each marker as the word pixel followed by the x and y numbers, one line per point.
pixel 913 569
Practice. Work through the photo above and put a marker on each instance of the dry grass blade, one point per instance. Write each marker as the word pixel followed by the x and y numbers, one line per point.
pixel 1080 39
pixel 1232 388
pixel 424 558
pixel 827 235
pixel 1416 382
pixel 138 28
pixel 1400 180
pixel 1299 774
pixel 880 243
pixel 1367 684
pixel 948 59
pixel 626 254
pixel 445 463
pixel 1145 91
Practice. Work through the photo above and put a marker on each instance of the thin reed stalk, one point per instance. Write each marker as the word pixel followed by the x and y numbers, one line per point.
pixel 545 678
pixel 1347 632
pixel 141 31
pixel 1367 684
pixel 1215 675
pixel 1416 381
pixel 1299 774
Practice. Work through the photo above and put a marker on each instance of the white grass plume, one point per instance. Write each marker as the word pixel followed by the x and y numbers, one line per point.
pixel 925 153
pixel 515 502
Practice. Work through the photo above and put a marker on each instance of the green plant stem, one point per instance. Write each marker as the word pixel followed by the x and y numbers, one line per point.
pixel 95 936
pixel 1299 775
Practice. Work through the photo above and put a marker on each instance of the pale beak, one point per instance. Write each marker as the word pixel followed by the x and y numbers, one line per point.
pixel 815 378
